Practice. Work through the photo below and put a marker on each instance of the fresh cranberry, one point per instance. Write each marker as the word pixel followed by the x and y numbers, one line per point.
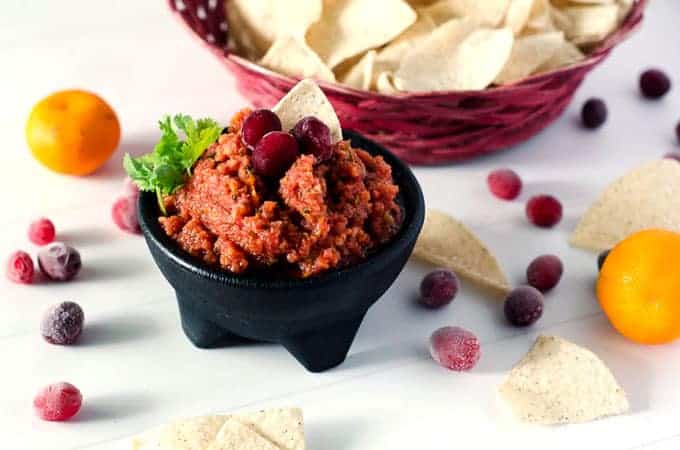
pixel 275 153
pixel 654 83
pixel 59 262
pixel 455 348
pixel 41 232
pixel 58 402
pixel 62 324
pixel 524 306
pixel 545 272
pixel 314 138
pixel 594 113
pixel 438 288
pixel 544 211
pixel 124 214
pixel 504 184
pixel 20 268
pixel 257 124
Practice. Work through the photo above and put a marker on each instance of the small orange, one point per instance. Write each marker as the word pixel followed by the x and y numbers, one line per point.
pixel 72 132
pixel 639 287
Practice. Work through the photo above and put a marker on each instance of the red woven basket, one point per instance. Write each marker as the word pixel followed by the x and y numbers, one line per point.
pixel 428 128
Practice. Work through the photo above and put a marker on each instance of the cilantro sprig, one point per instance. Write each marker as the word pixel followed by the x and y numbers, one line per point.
pixel 166 168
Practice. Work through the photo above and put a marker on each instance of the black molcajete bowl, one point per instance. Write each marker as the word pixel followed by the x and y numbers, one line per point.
pixel 316 318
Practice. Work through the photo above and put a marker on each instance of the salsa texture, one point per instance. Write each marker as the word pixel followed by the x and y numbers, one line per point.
pixel 316 217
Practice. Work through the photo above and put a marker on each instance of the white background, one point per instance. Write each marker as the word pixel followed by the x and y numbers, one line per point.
pixel 137 370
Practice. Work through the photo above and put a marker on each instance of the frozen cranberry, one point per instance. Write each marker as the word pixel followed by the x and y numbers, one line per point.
pixel 672 155
pixel 524 306
pixel 58 402
pixel 275 153
pixel 59 262
pixel 438 288
pixel 594 113
pixel 257 124
pixel 654 83
pixel 544 272
pixel 504 184
pixel 130 189
pixel 544 211
pixel 41 231
pixel 314 138
pixel 62 324
pixel 20 268
pixel 455 348
pixel 124 214
pixel 601 258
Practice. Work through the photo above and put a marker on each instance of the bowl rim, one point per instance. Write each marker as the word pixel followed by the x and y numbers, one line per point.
pixel 414 216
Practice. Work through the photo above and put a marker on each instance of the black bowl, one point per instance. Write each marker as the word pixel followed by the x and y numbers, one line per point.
pixel 316 318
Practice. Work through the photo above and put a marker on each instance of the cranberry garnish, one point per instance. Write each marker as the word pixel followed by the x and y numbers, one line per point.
pixel 274 154
pixel 257 124
pixel 314 137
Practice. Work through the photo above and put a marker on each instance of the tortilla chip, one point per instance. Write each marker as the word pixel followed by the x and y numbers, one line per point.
pixel 392 54
pixel 558 382
pixel 191 434
pixel 646 197
pixel 255 24
pixel 456 56
pixel 518 15
pixel 350 27
pixel 307 99
pixel 360 75
pixel 236 436
pixel 283 427
pixel 590 24
pixel 482 12
pixel 528 54
pixel 385 83
pixel 290 55
pixel 446 242
pixel 540 18
pixel 567 55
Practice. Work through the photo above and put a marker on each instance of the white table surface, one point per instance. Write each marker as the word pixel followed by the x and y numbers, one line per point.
pixel 135 367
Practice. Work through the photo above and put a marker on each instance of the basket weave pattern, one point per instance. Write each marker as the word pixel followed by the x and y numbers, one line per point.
pixel 422 128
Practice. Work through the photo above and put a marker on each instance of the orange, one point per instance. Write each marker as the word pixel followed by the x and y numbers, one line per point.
pixel 72 132
pixel 639 287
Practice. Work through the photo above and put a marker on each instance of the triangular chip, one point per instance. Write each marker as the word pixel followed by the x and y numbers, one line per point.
pixel 558 382
pixel 646 197
pixel 391 55
pixel 191 434
pixel 307 99
pixel 283 427
pixel 518 15
pixel 446 242
pixel 591 23
pixel 350 27
pixel 360 75
pixel 458 56
pixel 290 55
pixel 482 12
pixel 235 435
pixel 528 54
pixel 567 55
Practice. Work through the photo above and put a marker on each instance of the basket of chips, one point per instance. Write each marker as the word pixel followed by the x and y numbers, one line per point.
pixel 435 81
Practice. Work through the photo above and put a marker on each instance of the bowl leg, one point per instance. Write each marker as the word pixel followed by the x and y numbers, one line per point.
pixel 326 348
pixel 204 333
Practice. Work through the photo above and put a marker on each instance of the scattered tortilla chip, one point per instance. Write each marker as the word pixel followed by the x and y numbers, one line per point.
pixel 482 12
pixel 283 427
pixel 646 197
pixel 290 55
pixel 350 27
pixel 446 242
pixel 528 54
pixel 567 55
pixel 558 382
pixel 191 434
pixel 456 56
pixel 360 75
pixel 307 99
pixel 518 15
pixel 590 24
pixel 236 436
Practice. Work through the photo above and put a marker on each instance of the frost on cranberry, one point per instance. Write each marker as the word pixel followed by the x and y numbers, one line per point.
pixel 524 306
pixel 257 124
pixel 62 324
pixel 545 272
pixel 594 113
pixel 124 214
pixel 455 348
pixel 314 138
pixel 504 184
pixel 654 83
pixel 274 154
pixel 41 231
pixel 544 211
pixel 438 288
pixel 20 268
pixel 58 402
pixel 59 261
